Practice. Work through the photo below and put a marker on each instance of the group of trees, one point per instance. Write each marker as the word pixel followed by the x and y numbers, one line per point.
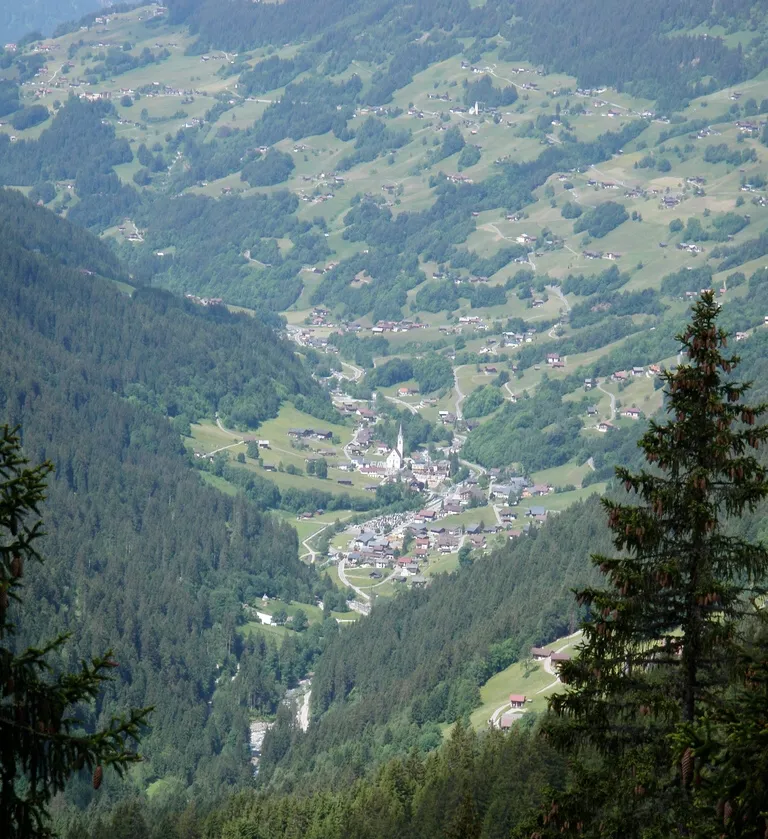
pixel 539 431
pixel 141 556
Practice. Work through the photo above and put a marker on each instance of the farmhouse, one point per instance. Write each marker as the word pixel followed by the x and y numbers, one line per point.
pixel 517 700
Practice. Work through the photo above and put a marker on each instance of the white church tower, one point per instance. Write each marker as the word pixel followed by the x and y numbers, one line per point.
pixel 396 458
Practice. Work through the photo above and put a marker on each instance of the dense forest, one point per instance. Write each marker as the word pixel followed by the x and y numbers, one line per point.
pixel 389 683
pixel 141 555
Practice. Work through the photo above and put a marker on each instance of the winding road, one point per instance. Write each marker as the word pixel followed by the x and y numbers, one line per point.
pixel 345 580
pixel 411 408
pixel 613 401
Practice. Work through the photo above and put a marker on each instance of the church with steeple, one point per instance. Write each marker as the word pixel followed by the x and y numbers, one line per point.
pixel 396 458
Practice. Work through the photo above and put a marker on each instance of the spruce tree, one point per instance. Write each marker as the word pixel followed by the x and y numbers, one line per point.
pixel 660 635
pixel 42 738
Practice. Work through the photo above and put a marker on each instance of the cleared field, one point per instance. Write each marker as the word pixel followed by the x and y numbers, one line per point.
pixel 528 678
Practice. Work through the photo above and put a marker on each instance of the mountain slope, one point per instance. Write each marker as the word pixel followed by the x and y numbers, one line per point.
pixel 17 19
pixel 141 556
pixel 388 683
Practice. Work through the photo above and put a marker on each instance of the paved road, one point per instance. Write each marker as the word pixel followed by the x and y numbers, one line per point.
pixel 345 581
pixel 357 374
pixel 613 401
pixel 411 408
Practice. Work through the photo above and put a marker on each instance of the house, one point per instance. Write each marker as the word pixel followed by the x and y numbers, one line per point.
pixel 539 653
pixel 741 336
pixel 591 411
pixel 553 358
pixel 536 512
pixel 620 376
pixel 631 413
pixel 508 719
pixel 605 426
pixel 559 658
pixel 517 700
pixel 638 371
pixel 473 528
pixel 419 581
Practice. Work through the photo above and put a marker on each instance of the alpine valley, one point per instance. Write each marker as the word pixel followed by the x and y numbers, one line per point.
pixel 335 319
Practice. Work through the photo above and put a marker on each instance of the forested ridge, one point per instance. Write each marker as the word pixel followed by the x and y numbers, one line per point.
pixel 141 555
pixel 387 684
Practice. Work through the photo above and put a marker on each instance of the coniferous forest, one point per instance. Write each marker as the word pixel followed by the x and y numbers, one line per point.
pixel 507 259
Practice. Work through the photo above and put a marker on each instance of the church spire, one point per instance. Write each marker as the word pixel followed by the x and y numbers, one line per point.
pixel 400 443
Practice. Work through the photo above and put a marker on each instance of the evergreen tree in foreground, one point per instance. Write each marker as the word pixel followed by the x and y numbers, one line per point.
pixel 42 741
pixel 648 695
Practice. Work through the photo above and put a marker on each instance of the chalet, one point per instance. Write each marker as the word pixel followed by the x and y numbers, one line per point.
pixel 638 371
pixel 591 411
pixel 589 384
pixel 537 303
pixel 553 358
pixel 605 426
pixel 419 580
pixel 620 376
pixel 477 541
pixel 540 489
pixel 525 239
pixel 473 528
pixel 508 720
pixel 507 514
pixel 513 534
pixel 535 512
pixel 517 700
pixel 559 658
pixel 631 413
pixel 741 336
pixel 539 653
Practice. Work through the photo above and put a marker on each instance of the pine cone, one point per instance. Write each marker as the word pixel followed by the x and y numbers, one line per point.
pixel 727 812
pixel 98 774
pixel 687 766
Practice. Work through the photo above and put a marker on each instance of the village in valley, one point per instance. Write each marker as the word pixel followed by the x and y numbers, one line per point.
pixel 480 373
